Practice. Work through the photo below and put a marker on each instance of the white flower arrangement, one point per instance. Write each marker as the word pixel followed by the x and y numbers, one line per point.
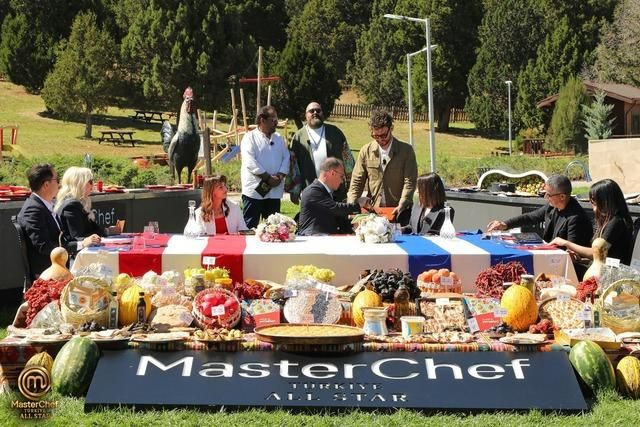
pixel 375 229
pixel 277 228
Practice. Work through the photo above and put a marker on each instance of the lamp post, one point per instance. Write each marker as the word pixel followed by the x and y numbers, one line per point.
pixel 508 83
pixel 410 90
pixel 432 130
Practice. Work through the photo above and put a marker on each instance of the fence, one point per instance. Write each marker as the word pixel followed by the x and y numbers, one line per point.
pixel 363 111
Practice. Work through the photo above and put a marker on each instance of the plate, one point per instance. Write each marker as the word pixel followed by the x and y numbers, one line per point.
pixel 116 240
pixel 525 339
pixel 297 333
pixel 155 187
pixel 49 339
pixel 160 337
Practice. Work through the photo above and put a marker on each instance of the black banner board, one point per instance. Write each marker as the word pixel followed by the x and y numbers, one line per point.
pixel 432 381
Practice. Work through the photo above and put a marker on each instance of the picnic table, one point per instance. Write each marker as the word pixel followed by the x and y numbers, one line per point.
pixel 117 136
pixel 149 116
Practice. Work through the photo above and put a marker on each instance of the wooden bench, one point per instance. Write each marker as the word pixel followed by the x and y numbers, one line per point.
pixel 149 116
pixel 117 136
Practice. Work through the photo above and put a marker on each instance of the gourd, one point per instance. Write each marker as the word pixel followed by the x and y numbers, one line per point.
pixel 43 360
pixel 73 367
pixel 592 365
pixel 58 269
pixel 128 307
pixel 522 310
pixel 628 376
pixel 366 298
pixel 600 249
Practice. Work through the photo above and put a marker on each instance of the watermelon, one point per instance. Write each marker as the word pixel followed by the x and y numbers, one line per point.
pixel 592 365
pixel 73 367
pixel 628 376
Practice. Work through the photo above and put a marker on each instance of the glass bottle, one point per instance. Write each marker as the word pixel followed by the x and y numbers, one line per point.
pixel 401 303
pixel 141 309
pixel 193 228
pixel 447 230
pixel 113 311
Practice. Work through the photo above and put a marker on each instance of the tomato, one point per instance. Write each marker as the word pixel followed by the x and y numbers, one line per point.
pixel 205 307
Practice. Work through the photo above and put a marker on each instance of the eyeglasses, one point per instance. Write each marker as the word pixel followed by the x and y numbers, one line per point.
pixel 54 179
pixel 381 136
pixel 337 172
pixel 315 110
pixel 548 196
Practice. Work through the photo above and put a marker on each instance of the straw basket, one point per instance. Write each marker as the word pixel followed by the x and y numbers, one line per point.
pixel 208 322
pixel 438 288
pixel 621 324
pixel 92 314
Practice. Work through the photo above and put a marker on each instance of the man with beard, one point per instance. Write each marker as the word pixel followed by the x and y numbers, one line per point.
pixel 386 169
pixel 315 142
pixel 265 164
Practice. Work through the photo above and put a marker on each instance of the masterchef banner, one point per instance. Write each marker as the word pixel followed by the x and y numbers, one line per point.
pixel 444 381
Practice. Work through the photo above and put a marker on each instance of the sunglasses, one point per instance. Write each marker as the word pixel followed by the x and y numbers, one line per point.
pixel 381 136
pixel 315 110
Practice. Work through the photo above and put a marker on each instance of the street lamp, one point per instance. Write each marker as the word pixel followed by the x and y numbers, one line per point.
pixel 410 91
pixel 432 130
pixel 508 83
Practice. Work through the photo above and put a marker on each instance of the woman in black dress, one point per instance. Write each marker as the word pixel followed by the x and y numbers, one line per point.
pixel 428 215
pixel 613 222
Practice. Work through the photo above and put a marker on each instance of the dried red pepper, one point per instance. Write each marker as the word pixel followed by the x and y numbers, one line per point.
pixel 41 293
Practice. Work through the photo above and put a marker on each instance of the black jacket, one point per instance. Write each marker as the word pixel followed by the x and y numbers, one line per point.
pixel 76 223
pixel 427 224
pixel 571 223
pixel 42 234
pixel 320 214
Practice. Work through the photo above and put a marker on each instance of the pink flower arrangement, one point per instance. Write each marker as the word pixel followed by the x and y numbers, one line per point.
pixel 277 228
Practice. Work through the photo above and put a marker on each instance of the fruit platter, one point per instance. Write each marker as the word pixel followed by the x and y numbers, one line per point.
pixel 527 184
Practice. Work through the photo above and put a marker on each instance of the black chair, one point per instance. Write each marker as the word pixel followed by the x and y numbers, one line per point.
pixel 636 234
pixel 22 246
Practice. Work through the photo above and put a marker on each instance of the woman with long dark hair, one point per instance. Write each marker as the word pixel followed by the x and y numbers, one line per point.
pixel 217 214
pixel 613 222
pixel 427 216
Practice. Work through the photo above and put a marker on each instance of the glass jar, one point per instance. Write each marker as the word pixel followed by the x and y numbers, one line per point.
pixel 375 321
pixel 528 282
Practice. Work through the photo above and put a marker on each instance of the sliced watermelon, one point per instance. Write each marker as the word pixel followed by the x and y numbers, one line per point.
pixel 593 366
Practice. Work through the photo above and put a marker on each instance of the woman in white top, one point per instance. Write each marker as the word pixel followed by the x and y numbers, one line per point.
pixel 217 214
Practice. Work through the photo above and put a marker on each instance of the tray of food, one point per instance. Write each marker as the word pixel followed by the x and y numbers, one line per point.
pixel 160 337
pixel 49 339
pixel 604 337
pixel 218 335
pixel 563 312
pixel 525 339
pixel 293 333
pixel 442 314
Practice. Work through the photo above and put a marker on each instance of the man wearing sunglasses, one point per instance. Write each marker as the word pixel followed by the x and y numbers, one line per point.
pixel 311 146
pixel 386 169
pixel 562 215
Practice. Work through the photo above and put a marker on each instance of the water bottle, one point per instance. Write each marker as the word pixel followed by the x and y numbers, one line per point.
pixel 88 161
pixel 447 231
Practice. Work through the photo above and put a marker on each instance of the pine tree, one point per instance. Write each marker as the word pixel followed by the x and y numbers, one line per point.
pixel 80 82
pixel 566 129
pixel 597 123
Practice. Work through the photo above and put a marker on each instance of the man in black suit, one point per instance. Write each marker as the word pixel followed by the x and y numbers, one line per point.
pixel 41 224
pixel 319 212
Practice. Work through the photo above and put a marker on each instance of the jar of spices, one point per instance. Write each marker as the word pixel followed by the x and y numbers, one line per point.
pixel 375 321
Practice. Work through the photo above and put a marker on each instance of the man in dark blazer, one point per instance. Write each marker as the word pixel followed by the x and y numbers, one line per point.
pixel 562 216
pixel 41 224
pixel 319 212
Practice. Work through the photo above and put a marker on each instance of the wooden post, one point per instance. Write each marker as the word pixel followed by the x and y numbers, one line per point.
pixel 213 120
pixel 244 110
pixel 206 148
pixel 259 78
pixel 235 114
pixel 269 95
pixel 233 105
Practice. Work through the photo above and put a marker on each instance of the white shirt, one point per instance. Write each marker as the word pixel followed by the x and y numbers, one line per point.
pixel 326 187
pixel 384 161
pixel 49 206
pixel 318 144
pixel 261 154
pixel 235 221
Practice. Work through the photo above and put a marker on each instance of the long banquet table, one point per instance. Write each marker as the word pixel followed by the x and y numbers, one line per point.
pixel 248 257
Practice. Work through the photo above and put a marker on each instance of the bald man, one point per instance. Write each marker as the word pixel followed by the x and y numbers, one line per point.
pixel 312 145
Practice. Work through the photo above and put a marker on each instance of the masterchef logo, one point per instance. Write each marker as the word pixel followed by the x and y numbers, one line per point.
pixel 34 382
pixel 392 368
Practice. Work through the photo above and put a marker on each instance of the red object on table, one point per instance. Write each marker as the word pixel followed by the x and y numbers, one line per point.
pixel 99 185
pixel 229 252
pixel 138 262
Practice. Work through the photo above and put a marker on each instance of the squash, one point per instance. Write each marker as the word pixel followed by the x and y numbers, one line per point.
pixel 522 310
pixel 73 367
pixel 628 376
pixel 600 249
pixel 366 298
pixel 128 307
pixel 58 269
pixel 43 360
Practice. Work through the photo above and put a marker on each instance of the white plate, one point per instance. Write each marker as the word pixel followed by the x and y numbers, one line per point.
pixel 116 240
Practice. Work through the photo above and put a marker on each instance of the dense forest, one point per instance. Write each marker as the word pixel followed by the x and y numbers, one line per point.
pixel 84 55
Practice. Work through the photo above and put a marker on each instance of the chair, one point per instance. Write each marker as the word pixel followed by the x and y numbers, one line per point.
pixel 636 233
pixel 22 246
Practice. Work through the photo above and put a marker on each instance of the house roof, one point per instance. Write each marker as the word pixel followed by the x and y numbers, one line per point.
pixel 621 92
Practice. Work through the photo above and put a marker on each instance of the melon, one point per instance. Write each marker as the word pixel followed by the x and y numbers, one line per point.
pixel 366 298
pixel 592 365
pixel 128 307
pixel 522 310
pixel 73 367
pixel 43 360
pixel 628 376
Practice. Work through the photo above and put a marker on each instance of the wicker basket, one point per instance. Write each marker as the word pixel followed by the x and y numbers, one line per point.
pixel 620 324
pixel 223 321
pixel 101 317
pixel 438 288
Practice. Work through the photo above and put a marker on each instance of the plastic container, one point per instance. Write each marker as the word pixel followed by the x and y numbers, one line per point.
pixel 411 325
pixel 375 321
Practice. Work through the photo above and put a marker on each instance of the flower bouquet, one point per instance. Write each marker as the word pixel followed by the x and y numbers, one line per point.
pixel 277 228
pixel 375 229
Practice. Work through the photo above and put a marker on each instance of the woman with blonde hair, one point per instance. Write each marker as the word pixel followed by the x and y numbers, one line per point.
pixel 216 214
pixel 73 206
